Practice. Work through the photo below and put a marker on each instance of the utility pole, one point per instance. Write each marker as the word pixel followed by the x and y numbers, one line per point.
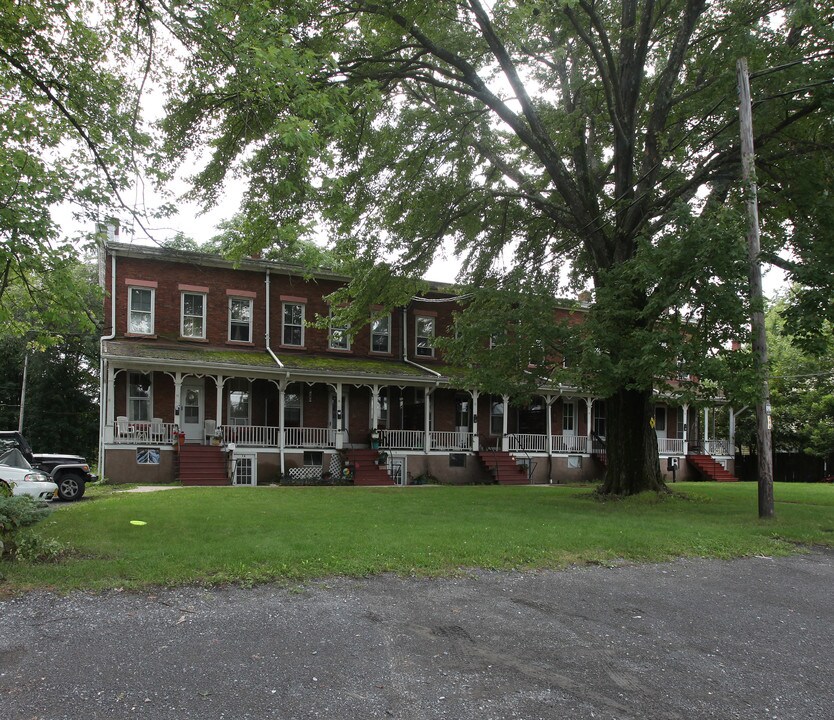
pixel 23 389
pixel 748 165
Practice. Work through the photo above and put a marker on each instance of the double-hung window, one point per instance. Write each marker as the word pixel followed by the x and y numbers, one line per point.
pixel 338 337
pixel 425 336
pixel 293 327
pixel 240 319
pixel 292 406
pixel 381 334
pixel 239 395
pixel 140 311
pixel 193 315
pixel 139 396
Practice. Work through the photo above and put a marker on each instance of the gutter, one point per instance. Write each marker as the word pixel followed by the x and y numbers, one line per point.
pixel 268 320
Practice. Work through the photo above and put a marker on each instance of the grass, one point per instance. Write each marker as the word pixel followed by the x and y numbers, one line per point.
pixel 249 535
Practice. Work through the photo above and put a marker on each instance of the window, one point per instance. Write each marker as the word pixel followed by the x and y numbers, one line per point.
pixel 139 397
pixel 660 419
pixel 140 311
pixel 239 393
pixel 425 336
pixel 598 418
pixel 147 456
pixel 193 315
pixel 339 337
pixel 293 324
pixel 568 418
pixel 381 334
pixel 313 457
pixel 680 425
pixel 292 405
pixel 496 417
pixel 240 320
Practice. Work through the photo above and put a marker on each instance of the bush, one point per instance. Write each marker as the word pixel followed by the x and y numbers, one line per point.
pixel 17 513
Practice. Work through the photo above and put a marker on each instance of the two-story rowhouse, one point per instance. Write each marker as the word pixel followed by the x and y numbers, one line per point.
pixel 212 373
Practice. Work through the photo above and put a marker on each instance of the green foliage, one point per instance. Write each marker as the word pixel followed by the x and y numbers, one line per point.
pixel 17 513
pixel 69 134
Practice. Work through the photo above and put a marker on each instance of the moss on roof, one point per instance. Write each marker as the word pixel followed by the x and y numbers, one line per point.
pixel 262 359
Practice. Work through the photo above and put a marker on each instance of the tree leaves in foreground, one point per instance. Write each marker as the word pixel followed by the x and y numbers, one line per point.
pixel 69 135
pixel 549 143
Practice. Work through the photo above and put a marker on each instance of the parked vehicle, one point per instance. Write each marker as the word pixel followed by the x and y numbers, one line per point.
pixel 70 473
pixel 17 477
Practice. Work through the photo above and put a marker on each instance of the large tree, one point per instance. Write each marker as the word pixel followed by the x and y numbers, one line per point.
pixel 71 74
pixel 585 140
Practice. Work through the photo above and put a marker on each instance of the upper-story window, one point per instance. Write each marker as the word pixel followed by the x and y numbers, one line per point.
pixel 293 332
pixel 425 336
pixel 140 311
pixel 193 315
pixel 240 319
pixel 381 334
pixel 338 336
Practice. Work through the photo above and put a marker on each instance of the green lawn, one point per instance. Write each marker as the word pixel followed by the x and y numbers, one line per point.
pixel 218 535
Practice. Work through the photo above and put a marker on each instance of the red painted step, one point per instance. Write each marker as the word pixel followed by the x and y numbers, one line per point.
pixel 202 465
pixel 504 467
pixel 710 469
pixel 367 470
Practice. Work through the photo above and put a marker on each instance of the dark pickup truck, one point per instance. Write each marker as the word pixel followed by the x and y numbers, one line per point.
pixel 70 473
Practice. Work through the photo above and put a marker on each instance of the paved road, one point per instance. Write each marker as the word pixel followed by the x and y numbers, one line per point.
pixel 751 639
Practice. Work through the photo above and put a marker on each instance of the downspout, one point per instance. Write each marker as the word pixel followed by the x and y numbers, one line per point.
pixel 268 320
pixel 102 393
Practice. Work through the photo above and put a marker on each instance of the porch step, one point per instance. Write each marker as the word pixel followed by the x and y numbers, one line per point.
pixel 710 469
pixel 202 465
pixel 504 467
pixel 367 471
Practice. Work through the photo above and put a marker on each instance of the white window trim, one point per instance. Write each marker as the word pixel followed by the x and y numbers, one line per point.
pixel 248 404
pixel 330 329
pixel 387 336
pixel 300 394
pixel 130 397
pixel 284 325
pixel 130 310
pixel 182 314
pixel 572 415
pixel 430 348
pixel 251 317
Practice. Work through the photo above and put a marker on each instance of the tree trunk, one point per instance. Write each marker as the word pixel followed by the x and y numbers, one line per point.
pixel 633 464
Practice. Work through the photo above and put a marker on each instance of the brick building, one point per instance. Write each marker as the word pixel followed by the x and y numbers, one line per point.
pixel 211 372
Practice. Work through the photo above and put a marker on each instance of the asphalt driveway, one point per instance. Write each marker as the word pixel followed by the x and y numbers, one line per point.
pixel 747 639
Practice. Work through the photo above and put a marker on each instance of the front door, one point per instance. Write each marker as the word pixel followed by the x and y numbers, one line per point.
pixel 245 469
pixel 193 410
pixel 338 423
pixel 569 420
pixel 397 469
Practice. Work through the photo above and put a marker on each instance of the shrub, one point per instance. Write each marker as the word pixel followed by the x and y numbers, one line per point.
pixel 17 513
pixel 33 548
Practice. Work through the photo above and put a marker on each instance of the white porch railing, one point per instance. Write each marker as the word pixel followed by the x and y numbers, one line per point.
pixel 717 446
pixel 451 440
pixel 570 443
pixel 528 442
pixel 670 446
pixel 143 433
pixel 304 437
pixel 251 435
pixel 402 439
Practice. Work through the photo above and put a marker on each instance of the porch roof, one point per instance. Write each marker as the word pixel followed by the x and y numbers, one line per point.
pixel 260 362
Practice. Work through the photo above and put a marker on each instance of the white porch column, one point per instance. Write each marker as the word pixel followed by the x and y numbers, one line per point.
pixel 589 403
pixel 505 441
pixel 732 435
pixel 219 381
pixel 706 428
pixel 427 420
pixel 178 399
pixel 110 418
pixel 475 395
pixel 282 389
pixel 339 421
pixel 685 428
pixel 548 402
pixel 374 406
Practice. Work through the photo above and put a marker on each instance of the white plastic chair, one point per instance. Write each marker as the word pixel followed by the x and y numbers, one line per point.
pixel 123 428
pixel 209 426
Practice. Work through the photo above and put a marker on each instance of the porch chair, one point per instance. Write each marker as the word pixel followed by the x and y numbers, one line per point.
pixel 209 426
pixel 123 428
pixel 157 430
